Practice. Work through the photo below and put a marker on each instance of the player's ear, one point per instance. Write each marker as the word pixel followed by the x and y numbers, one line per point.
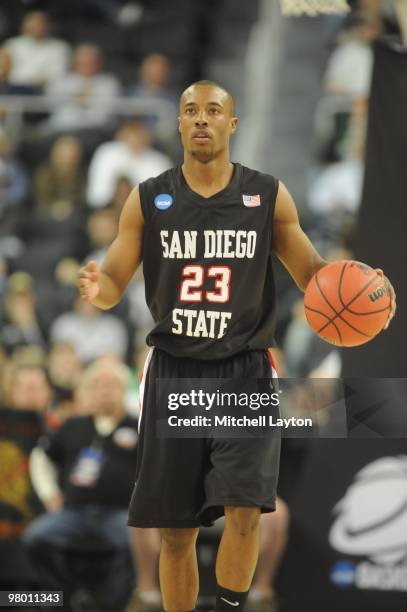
pixel 179 124
pixel 233 124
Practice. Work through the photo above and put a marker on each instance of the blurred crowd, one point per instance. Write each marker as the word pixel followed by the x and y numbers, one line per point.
pixel 335 180
pixel 64 177
pixel 69 372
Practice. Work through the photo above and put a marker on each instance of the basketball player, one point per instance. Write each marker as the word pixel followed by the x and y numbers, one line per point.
pixel 205 232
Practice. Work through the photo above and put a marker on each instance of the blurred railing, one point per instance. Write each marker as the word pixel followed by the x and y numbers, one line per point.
pixel 17 106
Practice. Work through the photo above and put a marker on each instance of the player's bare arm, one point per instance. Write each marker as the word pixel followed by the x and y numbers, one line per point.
pixel 105 286
pixel 294 249
pixel 291 245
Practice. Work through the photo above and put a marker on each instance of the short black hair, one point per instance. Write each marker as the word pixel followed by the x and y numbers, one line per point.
pixel 213 84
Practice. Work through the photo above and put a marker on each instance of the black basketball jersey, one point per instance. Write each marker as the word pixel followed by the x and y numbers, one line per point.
pixel 207 264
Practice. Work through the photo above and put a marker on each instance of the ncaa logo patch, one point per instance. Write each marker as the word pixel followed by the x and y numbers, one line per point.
pixel 163 201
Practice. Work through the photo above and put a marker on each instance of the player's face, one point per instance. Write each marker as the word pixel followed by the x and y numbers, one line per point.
pixel 206 122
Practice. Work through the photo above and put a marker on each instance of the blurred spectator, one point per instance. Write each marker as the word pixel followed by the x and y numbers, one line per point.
pixel 137 361
pixel 84 404
pixel 304 350
pixel 153 84
pixel 37 58
pixel 30 389
pixel 62 178
pixel 385 10
pixel 13 115
pixel 102 230
pixel 154 76
pixel 49 235
pixel 21 424
pixel 145 546
pixel 7 87
pixel 13 180
pixel 338 188
pixel 94 457
pixel 65 287
pixel 336 193
pixel 296 341
pixel 299 338
pixel 139 313
pixel 130 156
pixel 350 66
pixel 30 355
pixel 21 326
pixel 85 96
pixel 90 331
pixel 3 283
pixel 64 371
pixel 273 541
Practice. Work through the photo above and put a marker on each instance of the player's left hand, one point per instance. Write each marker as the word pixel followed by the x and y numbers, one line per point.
pixel 390 289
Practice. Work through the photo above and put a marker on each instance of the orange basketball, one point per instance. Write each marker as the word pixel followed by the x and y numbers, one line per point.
pixel 347 303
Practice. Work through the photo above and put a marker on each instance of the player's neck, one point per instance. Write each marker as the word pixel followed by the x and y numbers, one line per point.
pixel 207 179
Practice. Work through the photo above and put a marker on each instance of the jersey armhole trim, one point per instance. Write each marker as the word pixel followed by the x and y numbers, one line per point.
pixel 277 189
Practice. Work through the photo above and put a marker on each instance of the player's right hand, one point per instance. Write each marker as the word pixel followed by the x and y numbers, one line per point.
pixel 88 278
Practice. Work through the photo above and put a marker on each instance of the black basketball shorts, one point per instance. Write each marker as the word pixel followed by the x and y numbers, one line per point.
pixel 187 482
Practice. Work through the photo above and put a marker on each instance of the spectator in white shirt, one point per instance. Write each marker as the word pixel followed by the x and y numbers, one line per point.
pixel 85 96
pixel 91 332
pixel 36 57
pixel 130 156
pixel 338 188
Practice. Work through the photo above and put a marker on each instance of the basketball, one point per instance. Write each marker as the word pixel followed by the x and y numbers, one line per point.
pixel 347 303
